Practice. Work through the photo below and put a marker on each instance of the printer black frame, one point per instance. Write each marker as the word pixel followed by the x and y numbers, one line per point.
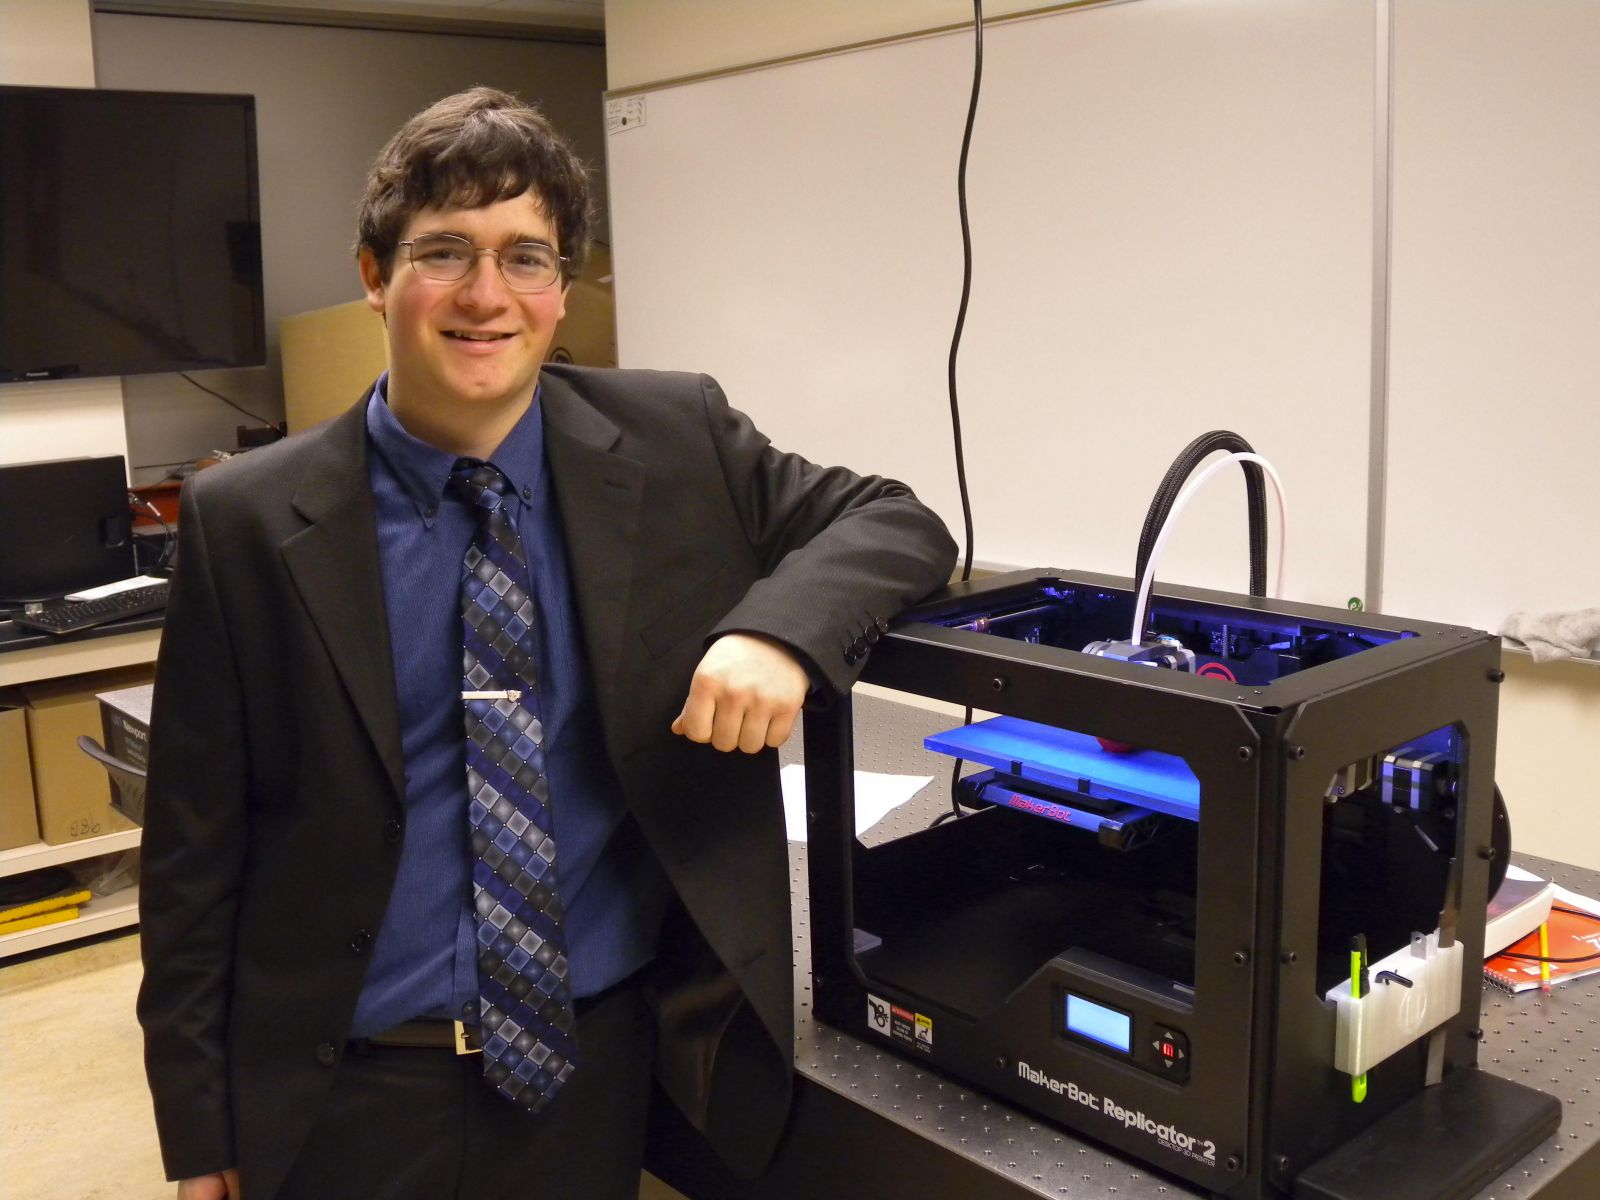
pixel 1262 1092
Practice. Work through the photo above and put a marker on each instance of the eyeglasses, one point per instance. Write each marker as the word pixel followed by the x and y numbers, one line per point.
pixel 525 266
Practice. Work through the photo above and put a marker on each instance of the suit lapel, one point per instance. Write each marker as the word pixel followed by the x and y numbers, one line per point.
pixel 334 560
pixel 598 492
pixel 334 564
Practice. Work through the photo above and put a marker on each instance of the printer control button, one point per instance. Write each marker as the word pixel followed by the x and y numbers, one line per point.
pixel 1172 1052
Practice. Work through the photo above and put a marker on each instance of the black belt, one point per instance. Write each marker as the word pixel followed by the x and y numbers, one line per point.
pixel 429 1035
pixel 438 1034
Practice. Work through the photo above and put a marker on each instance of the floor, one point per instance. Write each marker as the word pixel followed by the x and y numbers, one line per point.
pixel 75 1118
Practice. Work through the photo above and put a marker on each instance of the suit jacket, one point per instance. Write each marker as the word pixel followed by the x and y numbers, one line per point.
pixel 274 813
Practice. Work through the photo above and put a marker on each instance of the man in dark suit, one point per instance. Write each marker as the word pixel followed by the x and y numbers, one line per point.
pixel 313 948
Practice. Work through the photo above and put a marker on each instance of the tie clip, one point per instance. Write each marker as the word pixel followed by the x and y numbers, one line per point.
pixel 513 696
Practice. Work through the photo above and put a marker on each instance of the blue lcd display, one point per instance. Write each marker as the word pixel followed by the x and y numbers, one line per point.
pixel 1099 1023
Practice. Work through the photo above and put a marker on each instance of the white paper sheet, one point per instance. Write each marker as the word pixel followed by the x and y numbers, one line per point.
pixel 111 589
pixel 876 795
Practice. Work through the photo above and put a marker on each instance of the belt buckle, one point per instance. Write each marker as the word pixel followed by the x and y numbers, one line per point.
pixel 466 1038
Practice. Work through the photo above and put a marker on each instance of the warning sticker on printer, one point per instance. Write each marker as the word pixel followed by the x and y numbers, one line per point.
pixel 877 1014
pixel 899 1024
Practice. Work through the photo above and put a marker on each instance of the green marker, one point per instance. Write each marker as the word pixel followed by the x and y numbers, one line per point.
pixel 1358 979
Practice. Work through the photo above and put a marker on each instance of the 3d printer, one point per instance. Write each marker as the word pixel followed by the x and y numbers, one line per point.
pixel 1226 919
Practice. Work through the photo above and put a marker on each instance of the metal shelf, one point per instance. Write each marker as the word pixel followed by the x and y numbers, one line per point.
pixel 41 854
pixel 101 915
pixel 25 657
pixel 1516 648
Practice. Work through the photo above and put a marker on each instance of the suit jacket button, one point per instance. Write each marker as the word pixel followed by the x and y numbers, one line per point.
pixel 882 625
pixel 859 646
pixel 873 633
pixel 393 831
pixel 851 656
pixel 360 941
pixel 327 1055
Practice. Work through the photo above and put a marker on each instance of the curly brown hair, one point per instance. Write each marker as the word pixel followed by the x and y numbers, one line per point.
pixel 469 150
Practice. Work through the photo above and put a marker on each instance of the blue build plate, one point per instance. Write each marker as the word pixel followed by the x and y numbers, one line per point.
pixel 1075 762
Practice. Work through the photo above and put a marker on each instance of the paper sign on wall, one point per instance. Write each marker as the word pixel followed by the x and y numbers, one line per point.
pixel 624 112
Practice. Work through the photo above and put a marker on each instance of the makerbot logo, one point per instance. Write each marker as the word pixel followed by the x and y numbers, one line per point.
pixel 1170 1136
pixel 1038 807
pixel 1070 1090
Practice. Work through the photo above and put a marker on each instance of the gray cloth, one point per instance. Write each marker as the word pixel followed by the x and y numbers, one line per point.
pixel 1550 636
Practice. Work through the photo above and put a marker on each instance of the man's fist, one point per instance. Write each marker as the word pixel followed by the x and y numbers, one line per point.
pixel 745 695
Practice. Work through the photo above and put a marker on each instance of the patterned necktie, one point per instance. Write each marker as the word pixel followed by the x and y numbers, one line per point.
pixel 525 1006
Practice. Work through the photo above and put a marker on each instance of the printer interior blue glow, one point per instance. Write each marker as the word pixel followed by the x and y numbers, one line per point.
pixel 1075 764
pixel 1233 645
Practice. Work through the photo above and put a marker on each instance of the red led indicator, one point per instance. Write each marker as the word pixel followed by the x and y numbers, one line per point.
pixel 1166 1049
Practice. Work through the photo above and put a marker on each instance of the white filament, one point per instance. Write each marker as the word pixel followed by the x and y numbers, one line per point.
pixel 1189 489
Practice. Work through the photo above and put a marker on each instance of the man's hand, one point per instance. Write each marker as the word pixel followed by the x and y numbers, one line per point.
pixel 211 1187
pixel 745 695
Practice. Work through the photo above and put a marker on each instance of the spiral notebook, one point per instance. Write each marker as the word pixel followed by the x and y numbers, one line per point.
pixel 1573 935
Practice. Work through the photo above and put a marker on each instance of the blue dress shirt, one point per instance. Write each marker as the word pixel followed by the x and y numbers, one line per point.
pixel 424 960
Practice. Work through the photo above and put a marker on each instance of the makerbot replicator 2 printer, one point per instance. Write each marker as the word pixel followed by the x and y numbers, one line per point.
pixel 1218 902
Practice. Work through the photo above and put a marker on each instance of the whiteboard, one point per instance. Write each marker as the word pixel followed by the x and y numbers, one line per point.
pixel 1172 210
pixel 1494 484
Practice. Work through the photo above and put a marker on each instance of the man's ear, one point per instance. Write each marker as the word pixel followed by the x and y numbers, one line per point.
pixel 565 288
pixel 372 280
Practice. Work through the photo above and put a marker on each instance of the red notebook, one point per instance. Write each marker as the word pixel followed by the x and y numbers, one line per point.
pixel 1572 935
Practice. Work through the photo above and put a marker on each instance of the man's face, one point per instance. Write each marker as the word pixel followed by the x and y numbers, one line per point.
pixel 472 342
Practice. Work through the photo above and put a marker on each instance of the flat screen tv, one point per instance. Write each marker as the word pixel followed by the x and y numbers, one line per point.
pixel 130 234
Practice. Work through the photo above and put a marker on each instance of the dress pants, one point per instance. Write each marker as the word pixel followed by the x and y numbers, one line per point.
pixel 406 1123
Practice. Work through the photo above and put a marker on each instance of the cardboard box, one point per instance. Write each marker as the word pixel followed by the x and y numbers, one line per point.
pixel 71 790
pixel 19 826
pixel 125 721
pixel 330 356
pixel 587 335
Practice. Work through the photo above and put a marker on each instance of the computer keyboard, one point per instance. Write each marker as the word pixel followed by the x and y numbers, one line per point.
pixel 73 615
